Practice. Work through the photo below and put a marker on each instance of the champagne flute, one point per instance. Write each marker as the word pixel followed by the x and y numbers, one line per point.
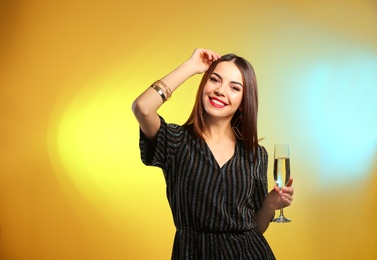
pixel 282 172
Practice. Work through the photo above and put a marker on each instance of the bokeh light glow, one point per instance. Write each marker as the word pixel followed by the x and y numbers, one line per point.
pixel 342 94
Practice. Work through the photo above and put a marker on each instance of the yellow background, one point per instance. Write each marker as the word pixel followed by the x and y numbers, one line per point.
pixel 72 184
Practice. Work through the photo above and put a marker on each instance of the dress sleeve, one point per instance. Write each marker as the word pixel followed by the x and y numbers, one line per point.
pixel 161 153
pixel 261 184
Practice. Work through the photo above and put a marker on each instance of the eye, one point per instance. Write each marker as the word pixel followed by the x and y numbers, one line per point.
pixel 214 80
pixel 235 88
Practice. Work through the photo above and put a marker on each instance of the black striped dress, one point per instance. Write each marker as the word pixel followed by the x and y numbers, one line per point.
pixel 213 208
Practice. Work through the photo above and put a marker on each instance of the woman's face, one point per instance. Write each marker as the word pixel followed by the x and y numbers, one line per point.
pixel 222 94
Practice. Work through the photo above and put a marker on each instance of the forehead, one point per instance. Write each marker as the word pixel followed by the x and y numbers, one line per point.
pixel 228 71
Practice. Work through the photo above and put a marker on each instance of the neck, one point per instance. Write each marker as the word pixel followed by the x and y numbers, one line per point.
pixel 218 130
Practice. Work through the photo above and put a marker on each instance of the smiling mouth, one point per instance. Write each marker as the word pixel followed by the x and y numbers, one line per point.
pixel 217 103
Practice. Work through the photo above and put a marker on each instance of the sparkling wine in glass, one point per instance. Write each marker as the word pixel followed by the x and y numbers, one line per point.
pixel 282 173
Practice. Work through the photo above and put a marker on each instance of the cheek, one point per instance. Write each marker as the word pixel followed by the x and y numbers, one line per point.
pixel 203 94
pixel 208 87
pixel 237 98
pixel 206 90
pixel 204 97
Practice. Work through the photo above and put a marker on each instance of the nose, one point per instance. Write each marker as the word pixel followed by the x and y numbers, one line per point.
pixel 219 91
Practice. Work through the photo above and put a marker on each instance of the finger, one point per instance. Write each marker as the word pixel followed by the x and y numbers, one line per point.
pixel 208 54
pixel 288 190
pixel 215 56
pixel 212 56
pixel 287 196
pixel 207 57
pixel 287 200
pixel 204 53
pixel 290 181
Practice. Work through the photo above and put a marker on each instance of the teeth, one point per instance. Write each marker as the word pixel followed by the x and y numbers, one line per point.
pixel 217 102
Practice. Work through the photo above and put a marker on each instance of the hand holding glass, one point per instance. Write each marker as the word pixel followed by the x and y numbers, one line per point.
pixel 282 173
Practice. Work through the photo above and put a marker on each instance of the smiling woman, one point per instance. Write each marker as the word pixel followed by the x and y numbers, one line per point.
pixel 72 184
pixel 216 182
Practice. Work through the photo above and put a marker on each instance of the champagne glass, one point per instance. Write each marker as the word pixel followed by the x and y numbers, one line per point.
pixel 282 172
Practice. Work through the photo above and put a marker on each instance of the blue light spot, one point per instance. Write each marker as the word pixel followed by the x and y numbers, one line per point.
pixel 342 98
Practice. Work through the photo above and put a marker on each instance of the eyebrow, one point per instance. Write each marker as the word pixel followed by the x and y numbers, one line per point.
pixel 234 82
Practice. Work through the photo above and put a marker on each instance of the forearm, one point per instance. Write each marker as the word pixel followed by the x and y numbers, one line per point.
pixel 151 98
pixel 146 105
pixel 175 78
pixel 264 217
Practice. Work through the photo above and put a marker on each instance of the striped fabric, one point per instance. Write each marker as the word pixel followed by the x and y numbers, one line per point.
pixel 213 208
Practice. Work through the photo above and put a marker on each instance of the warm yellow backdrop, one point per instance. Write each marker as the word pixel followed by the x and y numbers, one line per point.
pixel 71 182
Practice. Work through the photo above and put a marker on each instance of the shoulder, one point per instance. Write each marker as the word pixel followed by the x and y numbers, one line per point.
pixel 173 127
pixel 262 153
pixel 173 131
pixel 262 150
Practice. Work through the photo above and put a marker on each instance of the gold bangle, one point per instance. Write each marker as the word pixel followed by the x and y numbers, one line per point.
pixel 167 90
pixel 159 91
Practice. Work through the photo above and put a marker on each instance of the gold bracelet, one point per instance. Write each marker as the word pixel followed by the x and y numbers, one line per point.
pixel 167 90
pixel 159 91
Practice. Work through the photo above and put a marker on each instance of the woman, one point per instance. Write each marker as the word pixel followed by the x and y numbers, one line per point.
pixel 215 170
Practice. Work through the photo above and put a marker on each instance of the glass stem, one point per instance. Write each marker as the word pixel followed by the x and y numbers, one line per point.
pixel 281 208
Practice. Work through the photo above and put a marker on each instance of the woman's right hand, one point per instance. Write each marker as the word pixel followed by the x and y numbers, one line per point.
pixel 201 59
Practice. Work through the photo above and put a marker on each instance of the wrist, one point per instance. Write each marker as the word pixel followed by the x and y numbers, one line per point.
pixel 192 68
pixel 268 207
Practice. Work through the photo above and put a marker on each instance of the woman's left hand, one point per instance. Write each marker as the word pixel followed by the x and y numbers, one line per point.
pixel 276 197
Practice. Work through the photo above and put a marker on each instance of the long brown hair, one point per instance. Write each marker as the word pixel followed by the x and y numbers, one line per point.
pixel 249 104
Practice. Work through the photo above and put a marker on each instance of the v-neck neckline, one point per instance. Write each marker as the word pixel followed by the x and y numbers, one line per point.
pixel 214 158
